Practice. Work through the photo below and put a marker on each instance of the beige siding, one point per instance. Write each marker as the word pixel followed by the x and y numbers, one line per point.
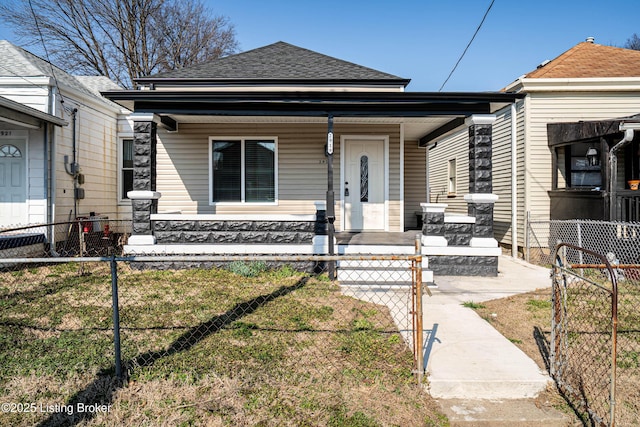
pixel 502 174
pixel 415 182
pixel 562 107
pixel 183 167
pixel 455 147
pixel 96 134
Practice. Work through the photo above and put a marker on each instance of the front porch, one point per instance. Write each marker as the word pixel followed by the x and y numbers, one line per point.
pixel 456 245
pixel 371 238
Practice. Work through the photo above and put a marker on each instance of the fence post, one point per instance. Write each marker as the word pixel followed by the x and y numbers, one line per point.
pixel 419 318
pixel 526 238
pixel 116 316
pixel 555 318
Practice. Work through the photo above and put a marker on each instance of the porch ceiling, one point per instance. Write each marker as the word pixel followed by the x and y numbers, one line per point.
pixel 414 128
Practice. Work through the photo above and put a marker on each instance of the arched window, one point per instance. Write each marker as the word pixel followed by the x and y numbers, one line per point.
pixel 9 150
pixel 364 178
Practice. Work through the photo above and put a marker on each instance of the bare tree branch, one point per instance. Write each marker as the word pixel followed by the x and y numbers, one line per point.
pixel 122 39
pixel 633 42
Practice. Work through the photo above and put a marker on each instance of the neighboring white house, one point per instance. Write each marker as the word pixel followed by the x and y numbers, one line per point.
pixel 587 82
pixel 64 163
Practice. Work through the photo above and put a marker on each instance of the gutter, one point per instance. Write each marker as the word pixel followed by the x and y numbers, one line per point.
pixel 629 133
pixel 514 182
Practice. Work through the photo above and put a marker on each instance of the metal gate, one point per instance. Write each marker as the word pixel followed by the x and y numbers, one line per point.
pixel 595 336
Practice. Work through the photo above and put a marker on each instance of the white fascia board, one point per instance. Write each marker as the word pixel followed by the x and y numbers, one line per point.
pixel 96 101
pixel 26 80
pixel 594 84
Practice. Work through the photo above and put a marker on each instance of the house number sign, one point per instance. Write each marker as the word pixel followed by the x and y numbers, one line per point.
pixel 330 143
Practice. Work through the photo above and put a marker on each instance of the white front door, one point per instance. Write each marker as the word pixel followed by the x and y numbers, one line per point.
pixel 364 207
pixel 13 185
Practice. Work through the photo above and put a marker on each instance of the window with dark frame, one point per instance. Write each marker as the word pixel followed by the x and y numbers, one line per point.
pixel 574 169
pixel 243 170
pixel 126 168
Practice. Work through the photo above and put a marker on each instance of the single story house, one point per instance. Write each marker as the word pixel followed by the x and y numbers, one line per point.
pixel 537 172
pixel 257 150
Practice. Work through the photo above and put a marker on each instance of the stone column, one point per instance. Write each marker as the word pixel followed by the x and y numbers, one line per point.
pixel 321 238
pixel 144 198
pixel 481 199
pixel 433 224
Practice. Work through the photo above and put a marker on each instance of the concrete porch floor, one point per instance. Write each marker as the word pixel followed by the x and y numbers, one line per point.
pixel 383 238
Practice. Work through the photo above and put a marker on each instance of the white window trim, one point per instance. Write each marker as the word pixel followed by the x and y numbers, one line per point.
pixel 455 177
pixel 242 140
pixel 121 199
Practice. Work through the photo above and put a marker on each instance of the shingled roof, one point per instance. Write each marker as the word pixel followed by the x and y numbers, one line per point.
pixel 280 62
pixel 18 62
pixel 590 60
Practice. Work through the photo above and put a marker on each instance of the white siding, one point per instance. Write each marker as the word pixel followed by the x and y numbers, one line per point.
pixel 36 202
pixel 33 96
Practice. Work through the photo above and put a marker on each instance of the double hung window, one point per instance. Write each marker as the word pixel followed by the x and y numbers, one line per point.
pixel 126 167
pixel 243 170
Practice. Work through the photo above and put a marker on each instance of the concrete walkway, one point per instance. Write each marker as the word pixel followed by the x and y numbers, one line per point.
pixel 479 376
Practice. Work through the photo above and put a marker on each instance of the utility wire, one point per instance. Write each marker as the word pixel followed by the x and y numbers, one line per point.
pixel 46 52
pixel 468 44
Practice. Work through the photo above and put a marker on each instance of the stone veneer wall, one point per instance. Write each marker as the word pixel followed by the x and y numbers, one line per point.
pixel 463 265
pixel 458 234
pixel 235 232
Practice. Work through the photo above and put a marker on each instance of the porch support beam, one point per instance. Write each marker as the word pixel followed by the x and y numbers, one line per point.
pixel 442 130
pixel 331 212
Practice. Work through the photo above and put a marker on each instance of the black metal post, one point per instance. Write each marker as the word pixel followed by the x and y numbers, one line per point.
pixel 116 316
pixel 331 214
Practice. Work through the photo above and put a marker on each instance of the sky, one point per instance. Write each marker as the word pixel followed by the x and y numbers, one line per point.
pixel 423 39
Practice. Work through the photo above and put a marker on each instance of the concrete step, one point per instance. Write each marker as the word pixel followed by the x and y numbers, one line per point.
pixel 395 264
pixel 503 413
pixel 364 274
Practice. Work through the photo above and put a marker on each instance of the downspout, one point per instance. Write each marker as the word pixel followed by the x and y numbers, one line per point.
pixel 514 182
pixel 74 165
pixel 613 169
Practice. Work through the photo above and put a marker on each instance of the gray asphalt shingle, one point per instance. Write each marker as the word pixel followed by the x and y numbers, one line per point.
pixel 17 62
pixel 279 61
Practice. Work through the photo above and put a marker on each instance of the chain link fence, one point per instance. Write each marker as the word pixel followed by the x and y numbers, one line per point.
pixel 595 339
pixel 617 240
pixel 87 237
pixel 235 341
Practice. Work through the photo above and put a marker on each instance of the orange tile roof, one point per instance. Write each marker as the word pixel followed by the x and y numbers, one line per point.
pixel 588 59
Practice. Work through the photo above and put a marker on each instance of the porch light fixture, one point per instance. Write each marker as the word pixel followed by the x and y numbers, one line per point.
pixel 593 156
